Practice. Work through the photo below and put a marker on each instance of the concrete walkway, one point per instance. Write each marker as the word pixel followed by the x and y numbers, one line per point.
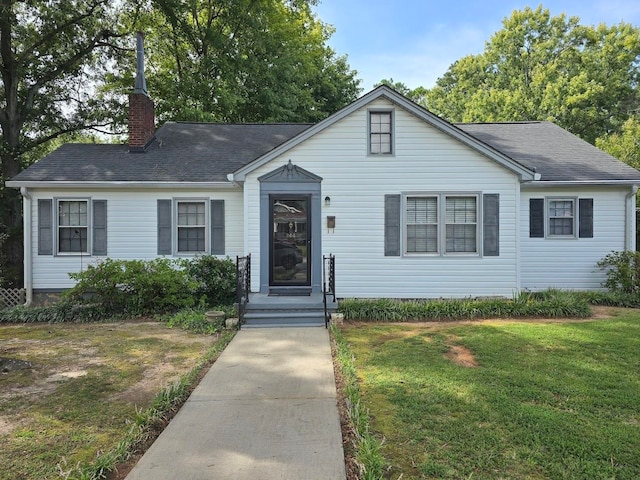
pixel 265 410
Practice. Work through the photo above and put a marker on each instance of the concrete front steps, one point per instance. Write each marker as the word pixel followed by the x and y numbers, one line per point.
pixel 286 311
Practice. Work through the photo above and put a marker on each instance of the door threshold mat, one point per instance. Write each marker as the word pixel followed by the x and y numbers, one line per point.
pixel 289 293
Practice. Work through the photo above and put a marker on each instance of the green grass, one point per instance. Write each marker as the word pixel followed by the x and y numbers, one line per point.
pixel 546 401
pixel 89 422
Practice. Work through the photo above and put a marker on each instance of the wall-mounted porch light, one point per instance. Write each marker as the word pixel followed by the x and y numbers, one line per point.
pixel 327 201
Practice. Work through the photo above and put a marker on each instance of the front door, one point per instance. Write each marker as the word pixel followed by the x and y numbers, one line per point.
pixel 290 242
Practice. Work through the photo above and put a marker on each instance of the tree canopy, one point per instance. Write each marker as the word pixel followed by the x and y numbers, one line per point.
pixel 544 67
pixel 66 67
pixel 240 61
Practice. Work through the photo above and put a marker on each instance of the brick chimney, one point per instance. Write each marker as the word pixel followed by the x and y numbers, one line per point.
pixel 141 109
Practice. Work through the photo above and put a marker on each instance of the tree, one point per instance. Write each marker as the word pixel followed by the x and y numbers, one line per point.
pixel 540 67
pixel 50 55
pixel 416 95
pixel 242 61
pixel 624 145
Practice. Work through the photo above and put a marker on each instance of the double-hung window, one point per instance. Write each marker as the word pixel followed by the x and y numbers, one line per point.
pixel 441 219
pixel 380 132
pixel 422 224
pixel 561 215
pixel 191 226
pixel 73 226
pixel 461 218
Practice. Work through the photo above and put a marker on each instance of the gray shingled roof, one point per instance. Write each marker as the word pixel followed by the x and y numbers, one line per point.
pixel 200 152
pixel 552 151
pixel 182 152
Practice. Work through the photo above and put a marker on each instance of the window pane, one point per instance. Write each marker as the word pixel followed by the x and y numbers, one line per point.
pixel 422 238
pixel 461 210
pixel 191 239
pixel 72 213
pixel 561 217
pixel 562 208
pixel 191 213
pixel 380 132
pixel 422 210
pixel 72 240
pixel 422 224
pixel 461 218
pixel 461 238
pixel 561 226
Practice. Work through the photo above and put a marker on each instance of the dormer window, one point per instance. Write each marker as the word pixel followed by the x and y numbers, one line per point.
pixel 381 132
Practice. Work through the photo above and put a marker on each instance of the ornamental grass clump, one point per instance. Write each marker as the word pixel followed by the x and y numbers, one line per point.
pixel 551 303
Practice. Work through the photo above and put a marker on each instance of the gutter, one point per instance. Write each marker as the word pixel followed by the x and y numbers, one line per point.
pixel 117 184
pixel 28 274
pixel 630 224
pixel 578 183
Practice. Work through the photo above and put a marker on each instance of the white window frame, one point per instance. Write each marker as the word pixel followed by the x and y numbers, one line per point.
pixel 58 226
pixel 177 226
pixel 548 217
pixel 392 139
pixel 406 224
pixel 441 198
pixel 476 223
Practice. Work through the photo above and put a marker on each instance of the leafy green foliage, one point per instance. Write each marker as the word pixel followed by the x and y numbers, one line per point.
pixel 624 144
pixel 59 313
pixel 553 303
pixel 623 271
pixel 240 61
pixel 216 279
pixel 196 320
pixel 134 287
pixel 544 67
pixel 114 288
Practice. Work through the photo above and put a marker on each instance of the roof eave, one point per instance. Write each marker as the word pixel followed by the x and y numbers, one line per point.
pixel 577 183
pixel 174 185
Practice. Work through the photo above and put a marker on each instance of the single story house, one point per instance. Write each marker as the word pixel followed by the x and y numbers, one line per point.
pixel 412 206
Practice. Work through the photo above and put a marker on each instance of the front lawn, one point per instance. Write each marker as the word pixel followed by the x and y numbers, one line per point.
pixel 504 399
pixel 75 398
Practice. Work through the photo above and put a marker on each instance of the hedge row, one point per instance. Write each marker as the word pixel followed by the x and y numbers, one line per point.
pixel 550 304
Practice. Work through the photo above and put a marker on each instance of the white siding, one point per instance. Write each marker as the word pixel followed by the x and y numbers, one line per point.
pixel 425 160
pixel 571 263
pixel 131 229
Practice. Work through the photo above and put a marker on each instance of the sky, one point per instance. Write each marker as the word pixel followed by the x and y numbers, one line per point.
pixel 415 41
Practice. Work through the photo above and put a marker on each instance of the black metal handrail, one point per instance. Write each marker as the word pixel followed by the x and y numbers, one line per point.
pixel 243 285
pixel 328 283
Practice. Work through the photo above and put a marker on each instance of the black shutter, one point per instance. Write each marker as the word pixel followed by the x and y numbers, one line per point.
pixel 164 227
pixel 585 229
pixel 536 217
pixel 99 227
pixel 217 227
pixel 491 225
pixel 392 225
pixel 45 227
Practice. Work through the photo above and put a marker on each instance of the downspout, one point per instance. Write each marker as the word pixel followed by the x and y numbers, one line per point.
pixel 28 284
pixel 630 228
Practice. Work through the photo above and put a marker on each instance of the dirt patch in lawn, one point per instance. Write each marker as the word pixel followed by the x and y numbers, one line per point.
pixel 461 356
pixel 68 390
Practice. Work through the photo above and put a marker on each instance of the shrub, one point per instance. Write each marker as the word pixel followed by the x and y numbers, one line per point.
pixel 216 279
pixel 623 271
pixel 135 287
